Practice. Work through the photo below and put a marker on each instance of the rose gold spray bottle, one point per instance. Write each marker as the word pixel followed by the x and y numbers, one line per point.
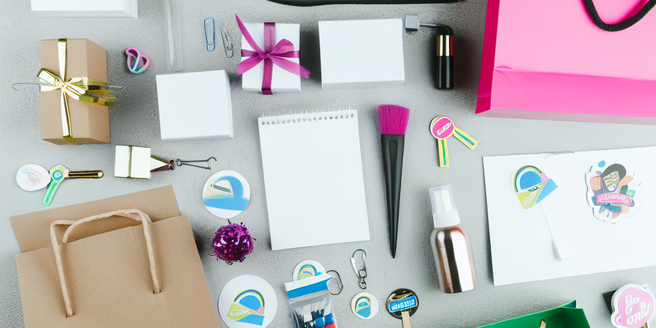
pixel 453 256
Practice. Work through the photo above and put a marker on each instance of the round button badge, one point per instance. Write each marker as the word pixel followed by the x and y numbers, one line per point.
pixel 226 194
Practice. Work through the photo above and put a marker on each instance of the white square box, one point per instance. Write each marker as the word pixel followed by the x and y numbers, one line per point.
pixel 86 9
pixel 361 53
pixel 282 80
pixel 195 106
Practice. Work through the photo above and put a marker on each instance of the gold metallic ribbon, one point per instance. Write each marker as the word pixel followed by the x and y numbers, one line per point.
pixel 83 89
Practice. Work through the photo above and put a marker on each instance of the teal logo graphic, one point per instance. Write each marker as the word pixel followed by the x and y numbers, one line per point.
pixel 363 307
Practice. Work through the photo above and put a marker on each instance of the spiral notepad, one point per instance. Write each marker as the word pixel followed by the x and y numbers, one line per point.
pixel 313 179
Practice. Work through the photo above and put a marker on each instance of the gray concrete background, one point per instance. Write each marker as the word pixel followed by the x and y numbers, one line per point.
pixel 134 121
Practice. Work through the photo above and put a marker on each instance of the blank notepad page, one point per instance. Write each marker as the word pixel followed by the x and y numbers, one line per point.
pixel 313 179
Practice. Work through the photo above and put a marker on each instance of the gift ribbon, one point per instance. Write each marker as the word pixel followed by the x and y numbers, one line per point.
pixel 272 54
pixel 83 89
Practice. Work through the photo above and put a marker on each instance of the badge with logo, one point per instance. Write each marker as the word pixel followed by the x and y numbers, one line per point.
pixel 364 305
pixel 226 194
pixel 247 302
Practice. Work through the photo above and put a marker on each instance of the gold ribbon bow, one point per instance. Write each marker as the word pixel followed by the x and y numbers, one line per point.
pixel 83 89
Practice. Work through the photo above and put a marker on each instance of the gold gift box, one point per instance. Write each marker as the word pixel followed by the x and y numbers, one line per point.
pixel 89 123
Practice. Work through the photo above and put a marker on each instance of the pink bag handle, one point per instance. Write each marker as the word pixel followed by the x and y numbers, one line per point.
pixel 592 11
pixel 133 214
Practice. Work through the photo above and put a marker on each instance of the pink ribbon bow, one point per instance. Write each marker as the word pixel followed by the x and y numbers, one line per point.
pixel 270 55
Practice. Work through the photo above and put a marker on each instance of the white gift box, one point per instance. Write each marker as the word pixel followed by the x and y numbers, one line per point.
pixel 282 80
pixel 86 9
pixel 361 53
pixel 195 105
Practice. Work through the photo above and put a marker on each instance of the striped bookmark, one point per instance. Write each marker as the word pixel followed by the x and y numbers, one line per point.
pixel 442 128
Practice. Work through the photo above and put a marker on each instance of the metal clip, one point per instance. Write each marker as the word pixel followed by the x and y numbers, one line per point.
pixel 227 40
pixel 335 284
pixel 208 167
pixel 361 273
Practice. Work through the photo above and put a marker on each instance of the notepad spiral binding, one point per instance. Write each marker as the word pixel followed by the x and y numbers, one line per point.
pixel 291 117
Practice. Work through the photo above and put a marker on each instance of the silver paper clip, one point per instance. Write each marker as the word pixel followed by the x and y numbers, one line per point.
pixel 208 167
pixel 227 40
pixel 361 273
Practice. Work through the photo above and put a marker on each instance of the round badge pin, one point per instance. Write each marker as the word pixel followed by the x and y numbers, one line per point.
pixel 402 303
pixel 364 305
pixel 442 127
pixel 226 194
pixel 247 301
pixel 307 269
pixel 32 177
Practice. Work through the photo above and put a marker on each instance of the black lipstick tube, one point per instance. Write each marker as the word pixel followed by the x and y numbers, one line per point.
pixel 444 53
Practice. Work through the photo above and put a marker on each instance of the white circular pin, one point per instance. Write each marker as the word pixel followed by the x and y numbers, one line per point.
pixel 364 305
pixel 307 269
pixel 226 194
pixel 247 301
pixel 32 177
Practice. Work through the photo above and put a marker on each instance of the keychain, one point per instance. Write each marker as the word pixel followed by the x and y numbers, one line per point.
pixel 360 271
pixel 33 177
pixel 442 128
pixel 60 172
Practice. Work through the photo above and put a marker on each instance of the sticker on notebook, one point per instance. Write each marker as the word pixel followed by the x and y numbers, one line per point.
pixel 633 306
pixel 613 192
pixel 246 302
pixel 532 186
pixel 226 194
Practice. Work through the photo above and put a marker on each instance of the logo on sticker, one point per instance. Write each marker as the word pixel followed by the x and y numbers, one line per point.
pixel 612 192
pixel 532 186
pixel 248 307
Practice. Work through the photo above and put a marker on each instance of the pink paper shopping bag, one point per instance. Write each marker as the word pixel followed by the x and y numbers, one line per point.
pixel 551 59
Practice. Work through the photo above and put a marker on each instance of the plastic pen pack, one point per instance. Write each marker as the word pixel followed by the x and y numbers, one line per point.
pixel 310 302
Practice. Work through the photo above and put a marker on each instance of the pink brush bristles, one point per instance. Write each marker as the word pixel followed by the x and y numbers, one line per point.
pixel 393 119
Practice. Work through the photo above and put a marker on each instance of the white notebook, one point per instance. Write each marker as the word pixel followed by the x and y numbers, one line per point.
pixel 313 179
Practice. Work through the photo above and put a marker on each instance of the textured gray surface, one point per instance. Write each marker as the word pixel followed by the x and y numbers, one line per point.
pixel 135 121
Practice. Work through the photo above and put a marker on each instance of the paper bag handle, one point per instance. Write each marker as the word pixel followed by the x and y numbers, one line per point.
pixel 592 11
pixel 133 214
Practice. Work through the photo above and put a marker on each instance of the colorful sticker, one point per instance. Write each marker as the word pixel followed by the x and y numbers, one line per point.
pixel 612 192
pixel 248 307
pixel 532 186
pixel 364 305
pixel 32 177
pixel 633 306
pixel 226 194
pixel 246 302
pixel 307 269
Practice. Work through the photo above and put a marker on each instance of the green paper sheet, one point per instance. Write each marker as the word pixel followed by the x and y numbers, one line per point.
pixel 565 316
